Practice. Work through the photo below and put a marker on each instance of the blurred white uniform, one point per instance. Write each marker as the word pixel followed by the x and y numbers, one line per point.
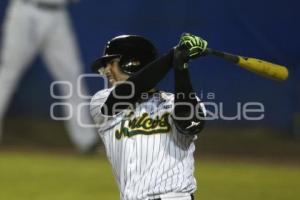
pixel 42 26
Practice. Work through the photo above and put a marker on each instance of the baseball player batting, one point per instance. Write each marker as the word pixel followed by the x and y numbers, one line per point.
pixel 43 26
pixel 149 134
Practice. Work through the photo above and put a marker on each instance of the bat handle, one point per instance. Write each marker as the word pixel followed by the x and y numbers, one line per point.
pixel 227 56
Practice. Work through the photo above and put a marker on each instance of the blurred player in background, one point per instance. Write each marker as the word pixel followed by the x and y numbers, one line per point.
pixel 43 27
pixel 149 134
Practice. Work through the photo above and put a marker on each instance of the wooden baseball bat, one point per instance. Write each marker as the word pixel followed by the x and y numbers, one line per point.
pixel 261 67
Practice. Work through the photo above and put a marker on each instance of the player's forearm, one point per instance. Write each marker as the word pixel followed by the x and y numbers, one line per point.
pixel 187 107
pixel 143 81
pixel 184 92
pixel 149 76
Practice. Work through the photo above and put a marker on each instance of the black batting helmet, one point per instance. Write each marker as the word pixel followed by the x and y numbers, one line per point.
pixel 134 52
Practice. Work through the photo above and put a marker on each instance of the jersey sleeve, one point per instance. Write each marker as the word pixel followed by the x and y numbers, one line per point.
pixel 96 105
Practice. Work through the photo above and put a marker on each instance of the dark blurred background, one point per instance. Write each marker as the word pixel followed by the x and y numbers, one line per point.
pixel 267 30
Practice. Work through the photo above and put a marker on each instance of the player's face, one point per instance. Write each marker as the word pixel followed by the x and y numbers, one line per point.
pixel 113 72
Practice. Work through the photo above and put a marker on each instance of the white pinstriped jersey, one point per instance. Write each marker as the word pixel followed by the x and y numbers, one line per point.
pixel 148 155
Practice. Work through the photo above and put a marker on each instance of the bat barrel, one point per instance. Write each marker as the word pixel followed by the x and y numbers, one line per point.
pixel 264 68
pixel 261 67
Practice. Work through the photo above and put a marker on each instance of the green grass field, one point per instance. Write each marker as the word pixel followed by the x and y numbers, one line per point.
pixel 61 176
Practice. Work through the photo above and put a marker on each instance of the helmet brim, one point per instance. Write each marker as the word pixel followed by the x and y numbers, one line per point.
pixel 101 62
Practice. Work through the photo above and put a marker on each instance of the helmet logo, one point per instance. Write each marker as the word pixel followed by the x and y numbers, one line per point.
pixel 133 62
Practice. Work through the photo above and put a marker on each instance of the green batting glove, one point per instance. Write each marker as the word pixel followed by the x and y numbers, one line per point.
pixel 195 45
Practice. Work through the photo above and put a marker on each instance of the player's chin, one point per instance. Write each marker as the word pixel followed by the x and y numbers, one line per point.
pixel 111 82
